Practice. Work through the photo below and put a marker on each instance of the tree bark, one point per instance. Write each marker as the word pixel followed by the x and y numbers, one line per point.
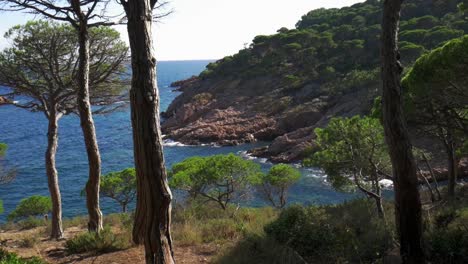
pixel 52 175
pixel 153 208
pixel 87 124
pixel 407 200
pixel 433 177
pixel 452 165
pixel 379 201
pixel 428 184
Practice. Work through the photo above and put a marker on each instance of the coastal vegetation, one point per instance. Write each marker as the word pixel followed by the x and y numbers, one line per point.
pixel 41 66
pixel 227 179
pixel 436 96
pixel 316 86
pixel 352 152
pixel 120 186
pixel 339 48
pixel 33 206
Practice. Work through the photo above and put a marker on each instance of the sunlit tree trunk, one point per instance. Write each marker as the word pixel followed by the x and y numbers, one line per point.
pixel 407 200
pixel 52 175
pixel 87 125
pixel 153 208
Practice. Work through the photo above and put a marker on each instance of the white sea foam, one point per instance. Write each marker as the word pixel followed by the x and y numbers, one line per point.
pixel 172 143
pixel 386 183
pixel 249 156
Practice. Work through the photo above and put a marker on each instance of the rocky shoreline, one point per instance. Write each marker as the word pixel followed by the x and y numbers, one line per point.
pixel 234 111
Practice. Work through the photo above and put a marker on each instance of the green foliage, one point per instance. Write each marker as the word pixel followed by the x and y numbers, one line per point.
pixel 351 147
pixel 199 222
pixel 35 205
pixel 446 237
pixel 120 186
pixel 259 249
pixel 3 149
pixel 104 242
pixel 332 234
pixel 424 22
pixel 410 51
pixel 12 258
pixel 30 223
pixel 313 51
pixel 219 178
pixel 274 185
pixel 41 64
pixel 436 92
pixel 6 176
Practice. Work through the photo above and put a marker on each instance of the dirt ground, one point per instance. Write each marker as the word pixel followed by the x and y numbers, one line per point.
pixel 54 251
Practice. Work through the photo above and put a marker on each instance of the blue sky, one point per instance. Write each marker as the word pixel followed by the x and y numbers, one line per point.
pixel 212 29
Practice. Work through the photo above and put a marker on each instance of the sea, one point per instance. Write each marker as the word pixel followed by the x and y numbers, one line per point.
pixel 25 133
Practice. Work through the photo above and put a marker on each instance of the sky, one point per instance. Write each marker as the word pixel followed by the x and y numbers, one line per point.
pixel 211 29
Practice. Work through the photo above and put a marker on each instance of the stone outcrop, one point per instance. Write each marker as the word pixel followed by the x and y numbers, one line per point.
pixel 233 111
pixel 3 100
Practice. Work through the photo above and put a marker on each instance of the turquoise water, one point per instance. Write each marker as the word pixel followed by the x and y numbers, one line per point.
pixel 25 133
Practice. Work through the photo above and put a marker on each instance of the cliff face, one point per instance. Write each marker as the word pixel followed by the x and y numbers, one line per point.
pixel 233 111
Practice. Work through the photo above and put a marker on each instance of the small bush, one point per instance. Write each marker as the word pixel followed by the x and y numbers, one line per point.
pixel 11 258
pixel 30 223
pixel 104 242
pixel 35 205
pixel 201 222
pixel 259 250
pixel 447 239
pixel 333 234
pixel 29 241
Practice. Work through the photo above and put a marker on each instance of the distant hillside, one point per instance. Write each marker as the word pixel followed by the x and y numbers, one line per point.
pixel 284 85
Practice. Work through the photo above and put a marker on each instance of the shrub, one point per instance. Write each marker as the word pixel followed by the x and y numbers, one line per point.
pixel 333 234
pixel 30 223
pixel 200 222
pixel 104 242
pixel 11 258
pixel 120 186
pixel 260 250
pixel 275 184
pixel 29 241
pixel 223 179
pixel 35 205
pixel 447 239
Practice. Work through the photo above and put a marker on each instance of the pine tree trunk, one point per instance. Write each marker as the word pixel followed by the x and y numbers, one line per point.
pixel 52 175
pixel 452 165
pixel 407 200
pixel 433 177
pixel 153 208
pixel 379 201
pixel 87 125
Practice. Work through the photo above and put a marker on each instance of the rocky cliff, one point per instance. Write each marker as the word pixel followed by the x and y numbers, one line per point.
pixel 234 111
